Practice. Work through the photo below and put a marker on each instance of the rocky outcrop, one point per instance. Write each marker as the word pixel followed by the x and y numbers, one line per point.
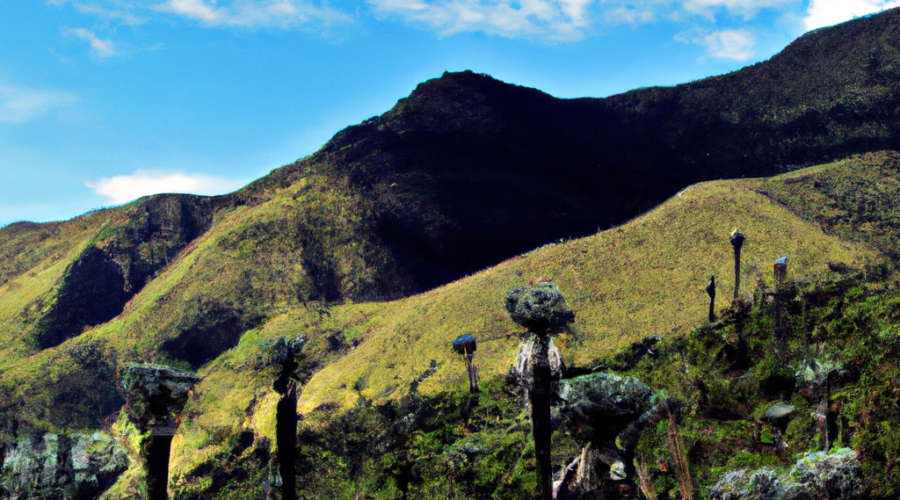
pixel 61 466
pixel 815 476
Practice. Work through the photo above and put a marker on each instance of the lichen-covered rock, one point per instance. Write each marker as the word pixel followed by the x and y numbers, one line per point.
pixel 597 407
pixel 155 394
pixel 815 476
pixel 61 466
pixel 539 307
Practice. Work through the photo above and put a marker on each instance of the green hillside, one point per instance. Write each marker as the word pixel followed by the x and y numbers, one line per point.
pixel 640 279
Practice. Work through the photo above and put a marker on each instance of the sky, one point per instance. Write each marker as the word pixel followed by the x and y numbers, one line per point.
pixel 104 101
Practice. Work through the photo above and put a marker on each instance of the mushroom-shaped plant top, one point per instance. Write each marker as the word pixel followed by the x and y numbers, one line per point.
pixel 155 393
pixel 465 344
pixel 280 351
pixel 737 239
pixel 539 307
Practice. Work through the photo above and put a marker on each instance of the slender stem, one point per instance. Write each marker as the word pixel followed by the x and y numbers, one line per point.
pixel 156 454
pixel 286 434
pixel 540 412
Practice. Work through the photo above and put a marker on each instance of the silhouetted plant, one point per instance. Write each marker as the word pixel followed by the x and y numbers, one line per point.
pixel 540 308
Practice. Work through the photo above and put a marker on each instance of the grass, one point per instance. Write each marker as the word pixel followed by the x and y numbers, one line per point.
pixel 643 278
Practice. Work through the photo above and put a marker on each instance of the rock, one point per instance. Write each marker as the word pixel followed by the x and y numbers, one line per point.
pixel 520 375
pixel 597 407
pixel 539 307
pixel 815 476
pixel 778 412
pixel 154 393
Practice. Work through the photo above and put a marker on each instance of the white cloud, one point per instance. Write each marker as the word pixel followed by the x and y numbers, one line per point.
pixel 103 48
pixel 253 13
pixel 828 12
pixel 214 13
pixel 551 20
pixel 124 188
pixel 738 45
pixel 21 104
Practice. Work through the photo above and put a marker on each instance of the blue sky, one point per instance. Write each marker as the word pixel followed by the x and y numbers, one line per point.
pixel 102 101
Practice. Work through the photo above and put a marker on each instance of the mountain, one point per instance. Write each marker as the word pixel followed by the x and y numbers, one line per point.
pixel 376 246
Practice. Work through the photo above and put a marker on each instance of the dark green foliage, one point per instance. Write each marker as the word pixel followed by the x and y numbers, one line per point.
pixel 455 445
pixel 843 329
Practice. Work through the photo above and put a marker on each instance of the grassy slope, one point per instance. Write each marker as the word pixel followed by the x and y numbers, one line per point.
pixel 626 283
pixel 643 278
pixel 248 267
pixel 33 260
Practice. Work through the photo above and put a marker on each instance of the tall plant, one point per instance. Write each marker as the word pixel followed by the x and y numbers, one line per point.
pixel 737 241
pixel 540 308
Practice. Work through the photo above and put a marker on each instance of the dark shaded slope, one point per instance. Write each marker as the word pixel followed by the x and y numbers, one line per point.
pixel 118 263
pixel 469 170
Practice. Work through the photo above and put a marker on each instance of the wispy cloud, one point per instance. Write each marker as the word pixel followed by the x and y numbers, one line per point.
pixel 124 11
pixel 125 188
pixel 745 8
pixel 551 20
pixel 102 48
pixel 738 45
pixel 22 104
pixel 215 13
pixel 568 20
pixel 254 13
pixel 822 13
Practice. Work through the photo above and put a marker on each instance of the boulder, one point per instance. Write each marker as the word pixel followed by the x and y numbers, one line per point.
pixel 815 476
pixel 778 412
